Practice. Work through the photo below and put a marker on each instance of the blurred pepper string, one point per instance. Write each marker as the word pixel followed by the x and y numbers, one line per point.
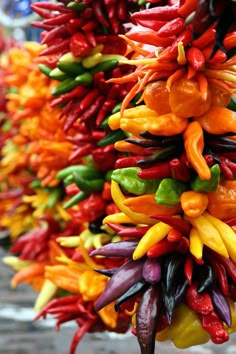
pixel 118 168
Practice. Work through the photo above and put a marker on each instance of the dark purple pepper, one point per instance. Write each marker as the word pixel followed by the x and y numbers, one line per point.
pixel 147 316
pixel 152 270
pixel 116 249
pixel 221 306
pixel 134 290
pixel 129 274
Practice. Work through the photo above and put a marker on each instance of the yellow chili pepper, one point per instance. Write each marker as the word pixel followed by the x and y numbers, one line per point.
pixel 119 198
pixel 193 203
pixel 185 329
pixel 195 243
pixel 194 145
pixel 108 315
pixel 227 234
pixel 47 292
pixel 155 234
pixel 64 277
pixel 146 204
pixel 15 262
pixel 118 218
pixel 139 111
pixel 91 60
pixel 164 125
pixel 91 285
pixel 209 235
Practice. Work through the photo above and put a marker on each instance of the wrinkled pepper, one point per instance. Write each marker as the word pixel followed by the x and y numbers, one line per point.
pixel 210 185
pixel 169 192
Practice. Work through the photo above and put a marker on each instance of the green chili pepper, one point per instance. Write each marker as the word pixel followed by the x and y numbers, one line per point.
pixel 169 191
pixel 105 66
pixel 58 75
pixel 112 137
pixel 209 185
pixel 71 68
pixel 104 124
pixel 78 6
pixel 54 196
pixel 130 182
pixel 108 175
pixel 36 184
pixel 45 70
pixel 116 108
pixel 65 86
pixel 84 79
pixel 93 185
pixel 81 195
pixel 88 172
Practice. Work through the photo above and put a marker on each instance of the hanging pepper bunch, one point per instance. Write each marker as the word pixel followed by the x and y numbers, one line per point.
pixel 128 123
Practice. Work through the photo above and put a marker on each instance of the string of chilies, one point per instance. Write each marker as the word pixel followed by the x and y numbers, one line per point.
pixel 151 159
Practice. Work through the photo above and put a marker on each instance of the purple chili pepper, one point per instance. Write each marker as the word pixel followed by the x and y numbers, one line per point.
pixel 152 270
pixel 116 249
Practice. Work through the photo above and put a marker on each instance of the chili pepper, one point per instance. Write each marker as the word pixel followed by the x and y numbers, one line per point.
pixel 188 269
pixel 147 316
pixel 187 8
pixel 131 292
pixel 196 244
pixel 41 25
pixel 209 185
pixel 146 204
pixel 152 270
pixel 194 144
pixel 93 109
pixel 175 222
pixel 150 37
pixel 51 6
pixel 65 86
pixel 59 75
pixel 212 324
pixel 112 138
pixel 71 68
pixel 40 11
pixel 195 58
pixel 107 272
pixel 172 267
pixel 193 203
pixel 138 231
pixel 161 248
pixel 59 19
pixel 206 278
pixel 45 69
pixel 185 38
pixel 75 199
pixel 116 249
pixel 154 235
pixel 174 235
pixel 104 66
pixel 85 78
pixel 130 161
pixel 98 12
pixel 210 120
pixel 172 27
pixel 54 33
pixel 163 154
pixel 179 170
pixel 87 172
pixel 79 46
pixel 161 13
pixel 104 158
pixel 200 303
pixel 77 6
pixel 221 306
pixel 209 235
pixel 124 278
pixel 169 192
pixel 226 232
pixel 130 182
pixel 58 47
pixel 160 170
pixel 93 185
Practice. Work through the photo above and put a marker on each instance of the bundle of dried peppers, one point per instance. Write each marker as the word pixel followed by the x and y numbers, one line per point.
pixel 123 123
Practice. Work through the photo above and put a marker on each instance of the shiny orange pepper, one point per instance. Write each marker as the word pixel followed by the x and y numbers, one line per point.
pixel 222 202
pixel 194 145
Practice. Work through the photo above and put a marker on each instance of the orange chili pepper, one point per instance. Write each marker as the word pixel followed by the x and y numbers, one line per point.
pixel 193 203
pixel 194 145
pixel 27 273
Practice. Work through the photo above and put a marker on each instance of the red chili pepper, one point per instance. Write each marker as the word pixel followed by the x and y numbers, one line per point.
pixel 98 12
pixel 179 170
pixel 93 109
pixel 200 303
pixel 161 248
pixel 72 189
pixel 187 8
pixel 195 58
pixel 79 45
pixel 174 235
pixel 160 170
pixel 185 37
pixel 59 31
pixel 209 159
pixel 89 99
pixel 111 208
pixel 177 223
pixel 89 26
pixel 230 221
pixel 172 28
pixel 221 277
pixel 218 58
pixel 106 191
pixel 41 25
pixel 150 38
pixel 205 39
pixel 79 91
pixel 228 263
pixel 183 245
pixel 161 13
pixel 81 152
pixel 59 19
pixel 41 12
pixel 74 25
pixel 138 231
pixel 130 161
pixel 188 269
pixel 214 326
pixel 225 169
pixel 51 6
pixel 122 11
pixel 91 38
pixel 104 157
pixel 57 47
